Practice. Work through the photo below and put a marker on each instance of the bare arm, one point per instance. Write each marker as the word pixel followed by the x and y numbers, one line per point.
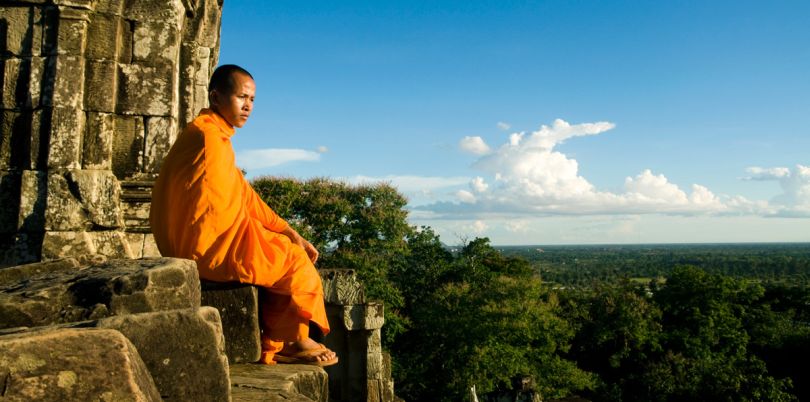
pixel 312 252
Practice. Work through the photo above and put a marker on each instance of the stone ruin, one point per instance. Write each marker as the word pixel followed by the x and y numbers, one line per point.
pixel 93 95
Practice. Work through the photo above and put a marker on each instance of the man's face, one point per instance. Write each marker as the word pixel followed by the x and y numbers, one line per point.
pixel 236 106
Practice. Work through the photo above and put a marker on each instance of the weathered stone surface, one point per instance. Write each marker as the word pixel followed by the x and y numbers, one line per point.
pixel 135 241
pixel 238 305
pixel 114 288
pixel 363 316
pixel 183 349
pixel 101 86
pixel 341 286
pixel 23 30
pixel 25 272
pixel 146 89
pixel 160 135
pixel 82 199
pixel 62 365
pixel 127 159
pixel 104 36
pixel 72 31
pixel 277 381
pixel 68 87
pixel 67 127
pixel 156 41
pixel 22 80
pixel 111 243
pixel 98 141
pixel 33 196
pixel 150 248
pixel 167 10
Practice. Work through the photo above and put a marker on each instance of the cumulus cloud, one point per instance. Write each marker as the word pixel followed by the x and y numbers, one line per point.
pixel 474 145
pixel 795 184
pixel 527 174
pixel 504 126
pixel 269 157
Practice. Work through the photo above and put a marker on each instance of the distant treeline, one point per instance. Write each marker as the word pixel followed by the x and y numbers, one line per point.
pixel 581 265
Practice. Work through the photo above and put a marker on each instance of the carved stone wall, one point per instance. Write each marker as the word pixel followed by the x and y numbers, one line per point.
pixel 93 95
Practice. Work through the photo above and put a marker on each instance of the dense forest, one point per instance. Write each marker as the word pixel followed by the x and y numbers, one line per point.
pixel 655 323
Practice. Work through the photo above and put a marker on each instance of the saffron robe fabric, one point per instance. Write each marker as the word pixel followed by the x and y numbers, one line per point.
pixel 204 209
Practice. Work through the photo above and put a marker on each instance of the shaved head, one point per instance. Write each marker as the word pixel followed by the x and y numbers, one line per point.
pixel 223 78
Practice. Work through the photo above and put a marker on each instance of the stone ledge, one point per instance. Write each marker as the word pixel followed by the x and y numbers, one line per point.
pixel 281 382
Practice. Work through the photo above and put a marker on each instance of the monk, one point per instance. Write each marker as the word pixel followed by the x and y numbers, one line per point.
pixel 203 209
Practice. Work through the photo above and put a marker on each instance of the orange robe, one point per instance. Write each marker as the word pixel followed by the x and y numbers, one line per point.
pixel 203 209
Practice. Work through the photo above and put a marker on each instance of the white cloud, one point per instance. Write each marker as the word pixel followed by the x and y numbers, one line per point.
pixel 479 227
pixel 474 145
pixel 479 185
pixel 795 184
pixel 529 176
pixel 322 149
pixel 504 126
pixel 269 157
pixel 465 196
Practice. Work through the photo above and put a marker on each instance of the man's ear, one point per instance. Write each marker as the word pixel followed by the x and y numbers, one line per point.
pixel 213 98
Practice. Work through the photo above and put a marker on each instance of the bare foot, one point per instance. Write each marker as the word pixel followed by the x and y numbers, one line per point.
pixel 308 350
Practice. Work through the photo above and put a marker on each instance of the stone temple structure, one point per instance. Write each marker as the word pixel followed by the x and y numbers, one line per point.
pixel 93 95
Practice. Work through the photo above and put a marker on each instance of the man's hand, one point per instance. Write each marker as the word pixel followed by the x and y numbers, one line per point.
pixel 296 238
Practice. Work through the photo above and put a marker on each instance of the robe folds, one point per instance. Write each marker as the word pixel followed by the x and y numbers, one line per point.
pixel 204 209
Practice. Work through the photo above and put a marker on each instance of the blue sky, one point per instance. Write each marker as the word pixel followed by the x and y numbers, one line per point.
pixel 541 122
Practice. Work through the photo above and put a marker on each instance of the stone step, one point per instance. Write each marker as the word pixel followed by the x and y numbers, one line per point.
pixel 238 306
pixel 281 382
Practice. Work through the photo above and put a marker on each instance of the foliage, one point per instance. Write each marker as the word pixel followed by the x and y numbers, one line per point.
pixel 451 320
pixel 721 323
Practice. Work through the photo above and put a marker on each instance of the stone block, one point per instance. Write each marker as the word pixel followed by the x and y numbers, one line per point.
pixel 156 41
pixel 183 349
pixel 101 86
pixel 22 81
pixel 103 36
pixel 98 141
pixel 72 30
pixel 238 306
pixel 155 10
pixel 363 316
pixel 20 144
pixel 116 287
pixel 67 129
pixel 374 365
pixel 341 286
pixel 146 89
pixel 68 85
pixel 63 211
pixel 113 7
pixel 150 248
pixel 135 241
pixel 83 199
pixel 23 30
pixel 99 192
pixel 62 365
pixel 159 137
pixel 128 139
pixel 292 381
pixel 33 200
pixel 64 244
pixel 9 201
pixel 136 215
pixel 25 272
pixel 110 243
pixel 80 4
